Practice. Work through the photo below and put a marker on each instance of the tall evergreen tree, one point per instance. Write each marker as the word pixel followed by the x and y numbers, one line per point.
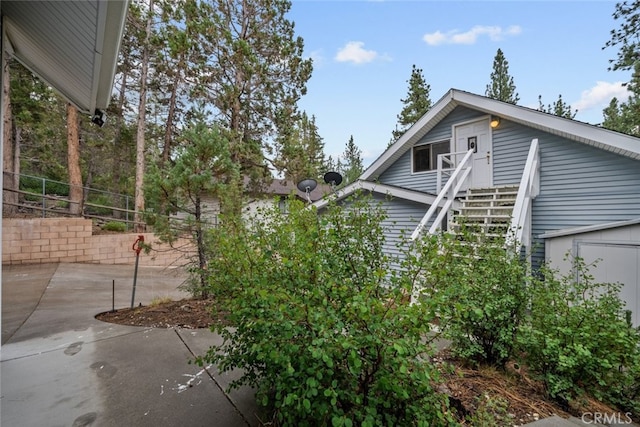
pixel 416 104
pixel 73 161
pixel 352 166
pixel 302 156
pixel 142 122
pixel 256 74
pixel 502 86
pixel 558 108
pixel 178 61
pixel 624 115
pixel 201 169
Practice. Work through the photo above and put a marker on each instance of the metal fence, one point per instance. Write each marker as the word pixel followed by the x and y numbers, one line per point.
pixel 48 198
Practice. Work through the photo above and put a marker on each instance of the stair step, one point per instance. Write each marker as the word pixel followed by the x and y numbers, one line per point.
pixel 489 210
pixel 497 189
pixel 490 196
pixel 475 217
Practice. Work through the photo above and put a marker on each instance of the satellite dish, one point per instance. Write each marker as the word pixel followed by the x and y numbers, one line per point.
pixel 332 178
pixel 307 185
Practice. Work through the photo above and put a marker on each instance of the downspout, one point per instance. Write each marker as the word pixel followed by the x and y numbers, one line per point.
pixel 3 55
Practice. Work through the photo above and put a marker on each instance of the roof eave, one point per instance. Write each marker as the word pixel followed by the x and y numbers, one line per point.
pixel 595 136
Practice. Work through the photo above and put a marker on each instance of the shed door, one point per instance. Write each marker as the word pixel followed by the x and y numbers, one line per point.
pixel 618 263
pixel 477 135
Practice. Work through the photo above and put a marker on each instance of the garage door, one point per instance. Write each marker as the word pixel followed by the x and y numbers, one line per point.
pixel 619 263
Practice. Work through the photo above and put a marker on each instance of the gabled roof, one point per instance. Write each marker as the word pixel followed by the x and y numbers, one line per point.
pixel 71 45
pixel 383 189
pixel 571 129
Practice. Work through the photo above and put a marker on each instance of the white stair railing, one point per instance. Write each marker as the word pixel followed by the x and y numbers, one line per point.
pixel 520 226
pixel 446 164
pixel 450 189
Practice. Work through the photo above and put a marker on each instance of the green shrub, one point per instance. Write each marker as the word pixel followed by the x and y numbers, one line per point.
pixel 491 411
pixel 115 226
pixel 322 328
pixel 578 339
pixel 104 201
pixel 34 185
pixel 479 290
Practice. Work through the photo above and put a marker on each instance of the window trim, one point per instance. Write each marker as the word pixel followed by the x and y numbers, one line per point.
pixel 423 146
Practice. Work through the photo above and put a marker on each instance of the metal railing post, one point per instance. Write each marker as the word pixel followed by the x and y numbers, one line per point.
pixel 44 199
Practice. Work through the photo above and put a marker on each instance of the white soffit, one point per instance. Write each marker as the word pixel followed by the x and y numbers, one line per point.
pixel 71 45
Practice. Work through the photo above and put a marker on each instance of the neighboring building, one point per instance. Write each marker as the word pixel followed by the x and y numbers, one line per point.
pixel 278 191
pixel 557 184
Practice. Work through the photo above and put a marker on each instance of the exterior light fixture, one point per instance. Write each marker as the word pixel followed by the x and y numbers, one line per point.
pixel 98 118
pixel 495 121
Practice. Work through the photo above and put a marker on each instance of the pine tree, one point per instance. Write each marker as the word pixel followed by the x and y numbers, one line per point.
pixel 558 108
pixel 257 75
pixel 416 104
pixel 142 122
pixel 302 155
pixel 624 116
pixel 502 86
pixel 352 166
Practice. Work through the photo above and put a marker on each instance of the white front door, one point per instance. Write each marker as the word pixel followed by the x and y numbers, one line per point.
pixel 476 135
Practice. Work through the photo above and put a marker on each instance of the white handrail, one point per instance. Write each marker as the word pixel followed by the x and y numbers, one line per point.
pixel 453 186
pixel 448 158
pixel 519 228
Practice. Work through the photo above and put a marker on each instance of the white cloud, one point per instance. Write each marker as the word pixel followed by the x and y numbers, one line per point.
pixel 317 57
pixel 470 37
pixel 600 95
pixel 355 52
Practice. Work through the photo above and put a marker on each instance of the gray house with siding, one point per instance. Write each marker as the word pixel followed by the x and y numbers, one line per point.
pixel 554 184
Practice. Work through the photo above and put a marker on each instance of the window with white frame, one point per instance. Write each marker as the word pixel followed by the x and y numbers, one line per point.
pixel 425 157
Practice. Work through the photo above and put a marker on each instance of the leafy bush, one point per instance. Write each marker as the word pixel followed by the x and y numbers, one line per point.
pixel 578 339
pixel 479 290
pixel 491 411
pixel 104 203
pixel 115 226
pixel 322 328
pixel 34 185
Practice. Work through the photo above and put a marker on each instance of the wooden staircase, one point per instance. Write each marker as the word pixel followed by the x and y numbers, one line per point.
pixel 486 211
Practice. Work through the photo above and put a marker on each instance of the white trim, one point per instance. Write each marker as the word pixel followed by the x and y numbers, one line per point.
pixel 374 187
pixel 588 229
pixel 470 121
pixel 585 133
pixel 424 144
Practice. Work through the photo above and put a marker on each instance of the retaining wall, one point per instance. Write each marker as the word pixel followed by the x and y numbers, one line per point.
pixel 44 240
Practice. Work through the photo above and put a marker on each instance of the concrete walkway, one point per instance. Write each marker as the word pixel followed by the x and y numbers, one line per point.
pixel 62 367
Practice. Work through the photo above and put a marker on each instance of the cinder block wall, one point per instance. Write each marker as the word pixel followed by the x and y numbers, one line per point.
pixel 33 241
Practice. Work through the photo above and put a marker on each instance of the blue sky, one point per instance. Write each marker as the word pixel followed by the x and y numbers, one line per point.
pixel 363 52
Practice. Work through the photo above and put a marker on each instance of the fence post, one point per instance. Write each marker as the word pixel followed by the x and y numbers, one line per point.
pixel 44 199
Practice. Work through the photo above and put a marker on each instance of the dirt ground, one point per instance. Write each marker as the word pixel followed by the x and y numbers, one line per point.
pixel 510 397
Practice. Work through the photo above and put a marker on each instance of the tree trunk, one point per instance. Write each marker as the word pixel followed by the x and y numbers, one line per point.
pixel 73 161
pixel 9 194
pixel 168 133
pixel 16 163
pixel 140 141
pixel 116 152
